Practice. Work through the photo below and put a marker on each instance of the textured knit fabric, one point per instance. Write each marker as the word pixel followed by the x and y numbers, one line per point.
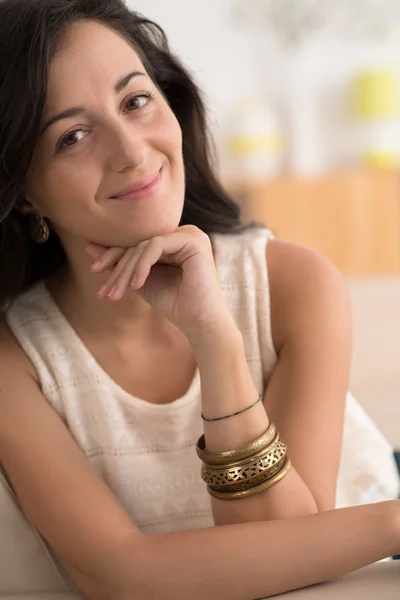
pixel 146 452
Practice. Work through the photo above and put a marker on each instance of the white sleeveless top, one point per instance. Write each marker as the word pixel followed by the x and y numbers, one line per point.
pixel 146 452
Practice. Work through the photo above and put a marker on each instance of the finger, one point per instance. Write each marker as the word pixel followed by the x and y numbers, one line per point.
pixel 151 255
pixel 124 278
pixel 182 244
pixel 137 270
pixel 108 259
pixel 122 264
pixel 95 251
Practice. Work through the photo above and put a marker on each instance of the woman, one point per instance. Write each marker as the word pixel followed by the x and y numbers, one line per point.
pixel 129 284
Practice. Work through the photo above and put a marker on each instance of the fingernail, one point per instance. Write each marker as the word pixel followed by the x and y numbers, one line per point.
pixel 134 281
pixel 112 291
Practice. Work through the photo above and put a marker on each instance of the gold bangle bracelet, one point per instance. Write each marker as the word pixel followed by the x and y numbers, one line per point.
pixel 254 490
pixel 245 484
pixel 239 463
pixel 230 456
pixel 263 462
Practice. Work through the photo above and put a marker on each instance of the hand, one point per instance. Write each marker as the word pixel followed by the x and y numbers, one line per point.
pixel 175 273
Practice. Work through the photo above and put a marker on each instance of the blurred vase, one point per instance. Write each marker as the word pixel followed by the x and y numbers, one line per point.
pixel 375 107
pixel 253 144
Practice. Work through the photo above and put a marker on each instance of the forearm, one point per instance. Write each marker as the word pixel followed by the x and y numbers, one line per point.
pixel 227 386
pixel 256 560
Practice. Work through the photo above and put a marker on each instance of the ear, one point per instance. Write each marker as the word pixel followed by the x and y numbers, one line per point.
pixel 25 207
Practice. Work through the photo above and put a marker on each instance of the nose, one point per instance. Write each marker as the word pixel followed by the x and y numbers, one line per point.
pixel 125 148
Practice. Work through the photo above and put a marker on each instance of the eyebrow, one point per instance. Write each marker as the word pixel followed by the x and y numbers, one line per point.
pixel 78 110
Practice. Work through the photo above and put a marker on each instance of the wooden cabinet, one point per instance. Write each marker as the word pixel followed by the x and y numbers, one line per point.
pixel 353 218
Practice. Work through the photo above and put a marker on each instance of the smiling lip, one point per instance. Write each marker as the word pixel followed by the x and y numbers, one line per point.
pixel 144 187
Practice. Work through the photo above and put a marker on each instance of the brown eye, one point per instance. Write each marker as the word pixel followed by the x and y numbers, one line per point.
pixel 138 102
pixel 71 139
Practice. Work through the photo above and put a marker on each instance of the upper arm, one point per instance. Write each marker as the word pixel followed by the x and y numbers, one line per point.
pixel 69 504
pixel 311 328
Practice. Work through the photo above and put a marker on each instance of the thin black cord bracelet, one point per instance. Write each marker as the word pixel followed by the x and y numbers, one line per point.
pixel 239 412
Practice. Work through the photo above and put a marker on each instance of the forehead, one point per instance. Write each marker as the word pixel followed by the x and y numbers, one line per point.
pixel 91 56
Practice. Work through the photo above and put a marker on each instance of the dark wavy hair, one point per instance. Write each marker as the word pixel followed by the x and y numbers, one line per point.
pixel 31 32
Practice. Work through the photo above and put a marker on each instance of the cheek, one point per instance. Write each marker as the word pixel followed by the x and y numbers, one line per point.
pixel 60 191
pixel 176 135
pixel 169 136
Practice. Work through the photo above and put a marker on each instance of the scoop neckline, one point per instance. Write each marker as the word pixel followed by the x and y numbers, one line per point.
pixel 71 336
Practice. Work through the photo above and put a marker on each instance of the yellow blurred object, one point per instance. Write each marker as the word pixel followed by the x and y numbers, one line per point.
pixel 376 95
pixel 246 144
pixel 253 142
pixel 380 160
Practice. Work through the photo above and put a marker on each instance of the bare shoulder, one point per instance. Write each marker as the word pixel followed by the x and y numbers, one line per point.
pixel 306 289
pixel 13 359
pixel 299 267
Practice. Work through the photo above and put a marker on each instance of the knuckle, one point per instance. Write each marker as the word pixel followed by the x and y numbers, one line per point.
pixel 204 239
pixel 193 229
pixel 156 243
pixel 156 240
pixel 142 245
pixel 199 233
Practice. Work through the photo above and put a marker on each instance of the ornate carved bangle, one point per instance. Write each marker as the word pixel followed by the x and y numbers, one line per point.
pixel 232 456
pixel 245 484
pixel 257 489
pixel 263 463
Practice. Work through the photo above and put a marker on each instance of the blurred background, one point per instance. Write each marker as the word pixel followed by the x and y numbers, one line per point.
pixel 304 103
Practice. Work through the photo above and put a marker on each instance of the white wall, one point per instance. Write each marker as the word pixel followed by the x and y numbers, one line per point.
pixel 217 54
pixel 231 65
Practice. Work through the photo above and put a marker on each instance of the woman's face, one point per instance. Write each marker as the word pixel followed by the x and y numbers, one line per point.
pixel 105 127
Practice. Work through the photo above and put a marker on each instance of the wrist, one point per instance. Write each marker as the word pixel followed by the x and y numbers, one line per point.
pixel 215 336
pixel 225 354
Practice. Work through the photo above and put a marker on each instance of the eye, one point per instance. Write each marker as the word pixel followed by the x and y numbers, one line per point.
pixel 139 101
pixel 72 138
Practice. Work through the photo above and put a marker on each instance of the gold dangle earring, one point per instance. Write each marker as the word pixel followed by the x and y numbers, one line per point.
pixel 39 229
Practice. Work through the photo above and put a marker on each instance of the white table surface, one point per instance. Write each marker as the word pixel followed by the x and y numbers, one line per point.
pixel 380 581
